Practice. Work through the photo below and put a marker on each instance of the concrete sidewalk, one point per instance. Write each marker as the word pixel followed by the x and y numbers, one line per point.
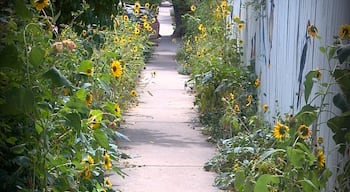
pixel 167 151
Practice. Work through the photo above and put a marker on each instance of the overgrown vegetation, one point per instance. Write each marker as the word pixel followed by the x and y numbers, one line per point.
pixel 63 93
pixel 255 155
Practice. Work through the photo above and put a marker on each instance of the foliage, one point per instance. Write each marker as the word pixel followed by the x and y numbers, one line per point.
pixel 253 154
pixel 60 102
pixel 212 52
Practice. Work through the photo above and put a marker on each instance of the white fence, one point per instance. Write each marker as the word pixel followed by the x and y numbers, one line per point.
pixel 274 37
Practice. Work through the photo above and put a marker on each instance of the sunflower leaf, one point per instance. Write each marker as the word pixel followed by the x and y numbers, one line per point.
pixel 101 138
pixel 263 181
pixel 309 83
pixel 56 77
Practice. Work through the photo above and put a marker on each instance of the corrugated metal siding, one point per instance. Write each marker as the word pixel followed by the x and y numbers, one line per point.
pixel 274 38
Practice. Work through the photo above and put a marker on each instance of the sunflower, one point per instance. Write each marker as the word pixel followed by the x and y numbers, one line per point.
pixel 257 82
pixel 153 20
pixel 133 93
pixel 117 109
pixel 344 31
pixel 107 161
pixel 320 140
pixel 147 5
pixel 125 18
pixel 116 39
pixel 108 182
pixel 88 99
pixel 89 71
pixel 116 69
pixel 93 123
pixel 236 108
pixel 321 160
pixel 146 25
pixel 318 74
pixel 41 4
pixel 137 5
pixel 90 160
pixel 193 8
pixel 137 31
pixel 304 131
pixel 312 30
pixel 265 108
pixel 240 26
pixel 280 131
pixel 87 172
pixel 249 99
pixel 135 49
pixel 83 33
pixel 149 29
pixel 137 12
pixel 223 4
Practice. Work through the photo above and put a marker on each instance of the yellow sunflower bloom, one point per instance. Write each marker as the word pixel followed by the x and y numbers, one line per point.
pixel 116 69
pixel 133 93
pixel 87 172
pixel 125 18
pixel 108 182
pixel 90 71
pixel 249 100
pixel 223 4
pixel 88 99
pixel 318 74
pixel 137 31
pixel 41 4
pixel 116 39
pixel 93 123
pixel 280 131
pixel 83 33
pixel 321 159
pixel 257 82
pixel 147 5
pixel 344 31
pixel 117 109
pixel 265 108
pixel 240 26
pixel 312 30
pixel 137 5
pixel 319 140
pixel 137 12
pixel 304 132
pixel 236 108
pixel 193 8
pixel 107 161
pixel 90 160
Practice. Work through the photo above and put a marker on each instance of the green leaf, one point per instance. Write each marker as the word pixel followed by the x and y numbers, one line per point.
pixel 343 52
pixel 307 115
pixel 263 182
pixel 323 49
pixel 36 56
pixel 77 104
pixel 296 157
pixel 56 77
pixel 73 120
pixel 21 10
pixel 84 66
pixel 239 180
pixel 340 127
pixel 18 149
pixel 269 153
pixel 81 94
pixel 17 101
pixel 340 102
pixel 308 84
pixel 342 77
pixel 105 87
pixel 9 57
pixel 101 138
pixel 109 107
pixel 308 186
pixel 39 129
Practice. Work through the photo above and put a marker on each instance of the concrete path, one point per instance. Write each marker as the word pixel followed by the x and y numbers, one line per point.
pixel 167 151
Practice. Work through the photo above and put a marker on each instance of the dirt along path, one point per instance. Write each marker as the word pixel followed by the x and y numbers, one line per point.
pixel 167 150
